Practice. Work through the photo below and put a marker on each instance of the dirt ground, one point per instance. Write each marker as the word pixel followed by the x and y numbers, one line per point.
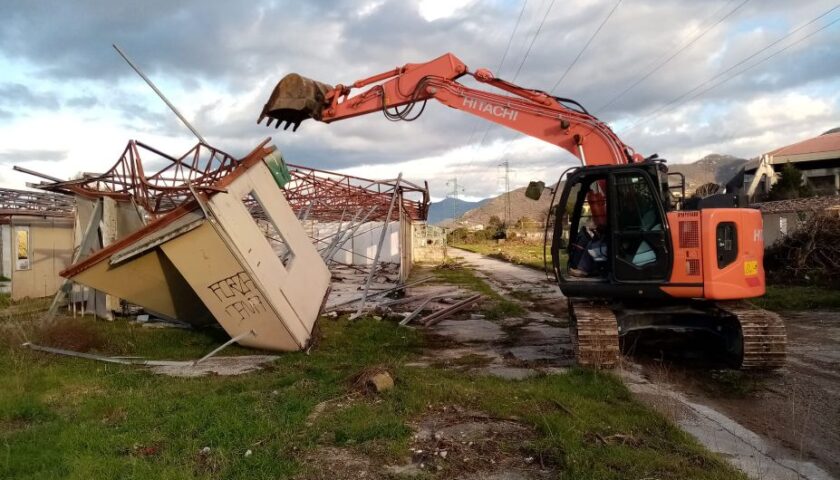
pixel 797 407
pixel 780 425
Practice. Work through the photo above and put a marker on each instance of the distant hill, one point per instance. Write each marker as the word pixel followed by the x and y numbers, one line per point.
pixel 520 206
pixel 711 168
pixel 442 210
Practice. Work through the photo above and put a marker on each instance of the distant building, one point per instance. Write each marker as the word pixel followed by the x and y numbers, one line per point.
pixel 783 217
pixel 469 226
pixel 817 158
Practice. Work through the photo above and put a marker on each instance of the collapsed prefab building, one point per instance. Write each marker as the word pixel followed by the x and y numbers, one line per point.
pixel 345 216
pixel 247 243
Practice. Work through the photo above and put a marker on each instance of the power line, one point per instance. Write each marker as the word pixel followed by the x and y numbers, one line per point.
pixel 522 63
pixel 694 30
pixel 512 34
pixel 595 34
pixel 502 61
pixel 660 110
pixel 671 57
pixel 534 39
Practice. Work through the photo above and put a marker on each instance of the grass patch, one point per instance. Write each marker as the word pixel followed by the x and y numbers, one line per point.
pixel 70 418
pixel 790 297
pixel 526 254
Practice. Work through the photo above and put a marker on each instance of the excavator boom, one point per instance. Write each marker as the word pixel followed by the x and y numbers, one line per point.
pixel 397 92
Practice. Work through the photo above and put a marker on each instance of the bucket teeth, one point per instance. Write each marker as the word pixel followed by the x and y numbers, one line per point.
pixel 293 100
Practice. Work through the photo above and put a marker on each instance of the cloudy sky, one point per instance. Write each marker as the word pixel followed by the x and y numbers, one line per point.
pixel 681 78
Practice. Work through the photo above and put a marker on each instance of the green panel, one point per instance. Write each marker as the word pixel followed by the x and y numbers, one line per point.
pixel 278 168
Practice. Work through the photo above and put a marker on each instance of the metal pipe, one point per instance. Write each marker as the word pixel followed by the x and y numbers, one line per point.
pixel 225 345
pixel 379 246
pixel 343 240
pixel 160 94
pixel 18 168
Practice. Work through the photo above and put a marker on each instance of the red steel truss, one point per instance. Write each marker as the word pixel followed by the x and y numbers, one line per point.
pixel 330 196
pixel 312 193
pixel 41 204
pixel 200 168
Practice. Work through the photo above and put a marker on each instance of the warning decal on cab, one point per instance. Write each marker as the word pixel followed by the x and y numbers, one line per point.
pixel 751 268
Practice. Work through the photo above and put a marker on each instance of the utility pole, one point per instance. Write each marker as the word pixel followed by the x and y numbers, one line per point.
pixel 453 194
pixel 506 165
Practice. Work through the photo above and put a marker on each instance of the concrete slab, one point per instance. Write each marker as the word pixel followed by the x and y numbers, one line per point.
pixel 543 334
pixel 542 353
pixel 466 331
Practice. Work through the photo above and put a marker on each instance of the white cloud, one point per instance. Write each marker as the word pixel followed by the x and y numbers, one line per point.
pixel 370 7
pixel 792 107
pixel 432 10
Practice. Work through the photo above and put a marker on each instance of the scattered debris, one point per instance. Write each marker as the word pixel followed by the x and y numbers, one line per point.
pixel 333 403
pixel 225 366
pixel 336 306
pixel 216 365
pixel 436 317
pixel 810 255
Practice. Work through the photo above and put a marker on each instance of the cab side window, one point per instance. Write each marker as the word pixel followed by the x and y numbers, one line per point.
pixel 726 238
pixel 639 237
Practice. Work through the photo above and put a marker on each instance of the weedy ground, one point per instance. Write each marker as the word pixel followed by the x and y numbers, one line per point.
pixel 791 297
pixel 520 253
pixel 66 417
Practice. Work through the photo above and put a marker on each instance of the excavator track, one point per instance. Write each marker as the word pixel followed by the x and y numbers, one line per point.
pixel 594 332
pixel 763 336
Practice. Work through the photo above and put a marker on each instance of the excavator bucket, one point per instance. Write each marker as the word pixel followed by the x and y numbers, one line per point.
pixel 294 99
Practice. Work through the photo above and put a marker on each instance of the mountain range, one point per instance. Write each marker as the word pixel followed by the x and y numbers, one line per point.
pixel 714 168
pixel 450 208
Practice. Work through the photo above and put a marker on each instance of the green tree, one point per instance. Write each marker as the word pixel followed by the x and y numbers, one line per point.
pixel 496 228
pixel 494 223
pixel 790 185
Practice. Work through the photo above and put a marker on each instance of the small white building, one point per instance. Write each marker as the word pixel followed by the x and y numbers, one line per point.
pixel 36 241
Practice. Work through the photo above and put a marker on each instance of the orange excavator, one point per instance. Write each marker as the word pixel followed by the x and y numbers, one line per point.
pixel 628 250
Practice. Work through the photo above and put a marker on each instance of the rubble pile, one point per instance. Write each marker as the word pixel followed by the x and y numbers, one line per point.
pixel 808 256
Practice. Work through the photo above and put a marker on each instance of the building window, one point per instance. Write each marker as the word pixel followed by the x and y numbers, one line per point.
pixel 23 248
pixel 269 229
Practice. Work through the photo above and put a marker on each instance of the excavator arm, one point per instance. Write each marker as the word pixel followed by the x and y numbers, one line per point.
pixel 398 92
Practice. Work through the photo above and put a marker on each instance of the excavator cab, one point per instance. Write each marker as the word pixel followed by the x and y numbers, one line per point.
pixel 638 268
pixel 611 230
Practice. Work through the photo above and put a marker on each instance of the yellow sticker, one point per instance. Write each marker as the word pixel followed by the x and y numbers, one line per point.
pixel 751 268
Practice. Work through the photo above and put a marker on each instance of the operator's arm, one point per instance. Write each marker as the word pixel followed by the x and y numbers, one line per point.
pixel 531 112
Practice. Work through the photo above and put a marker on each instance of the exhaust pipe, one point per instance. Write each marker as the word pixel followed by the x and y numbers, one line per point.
pixel 295 99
